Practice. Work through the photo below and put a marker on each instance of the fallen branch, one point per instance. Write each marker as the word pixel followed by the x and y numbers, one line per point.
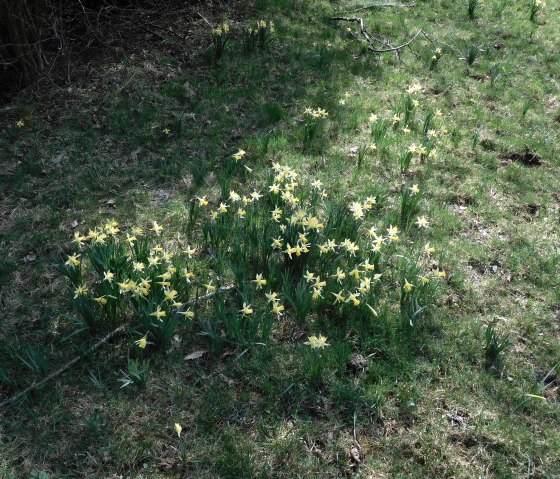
pixel 381 5
pixel 398 47
pixel 370 39
pixel 67 366
pixel 92 349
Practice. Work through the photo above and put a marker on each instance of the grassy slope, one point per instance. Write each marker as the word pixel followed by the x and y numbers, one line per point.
pixel 432 412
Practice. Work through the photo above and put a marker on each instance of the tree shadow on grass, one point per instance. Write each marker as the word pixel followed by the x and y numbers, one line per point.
pixel 137 144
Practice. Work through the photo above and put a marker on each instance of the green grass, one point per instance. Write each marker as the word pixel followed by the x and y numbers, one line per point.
pixel 426 406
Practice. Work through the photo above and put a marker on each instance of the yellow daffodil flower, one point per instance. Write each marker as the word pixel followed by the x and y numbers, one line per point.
pixel 142 342
pixel 309 276
pixel 276 214
pixel 277 308
pixel 202 201
pixel 247 310
pixel 73 260
pixel 188 275
pixel 428 250
pixel 313 223
pixel 392 232
pixel 158 313
pixel 354 298
pixel 130 239
pixel 271 297
pixel 317 342
pixel 339 297
pixel 407 286
pixel 356 273
pixel 80 291
pixel 239 155
pixel 154 260
pixel 170 295
pixel 210 288
pixel 367 266
pixel 339 275
pixel 157 229
pixel 357 210
pixel 79 239
pixel 259 281
pixel 439 274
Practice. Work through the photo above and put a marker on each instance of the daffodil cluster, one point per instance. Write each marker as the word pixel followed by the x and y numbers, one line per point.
pixel 285 251
pixel 258 35
pixel 120 275
pixel 300 252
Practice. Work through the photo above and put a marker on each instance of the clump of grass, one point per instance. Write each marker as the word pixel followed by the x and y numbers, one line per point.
pixel 499 7
pixel 91 423
pixel 535 9
pixel 471 8
pixel 527 105
pixel 471 52
pixel 32 357
pixel 138 373
pixel 496 74
pixel 362 151
pixel 494 346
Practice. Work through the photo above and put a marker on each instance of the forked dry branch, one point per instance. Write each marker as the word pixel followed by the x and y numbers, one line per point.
pixel 378 44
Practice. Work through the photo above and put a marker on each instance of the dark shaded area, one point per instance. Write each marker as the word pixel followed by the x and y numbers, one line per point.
pixel 55 40
pixel 528 158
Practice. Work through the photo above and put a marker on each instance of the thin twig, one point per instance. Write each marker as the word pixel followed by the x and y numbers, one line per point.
pixel 92 349
pixel 182 38
pixel 207 22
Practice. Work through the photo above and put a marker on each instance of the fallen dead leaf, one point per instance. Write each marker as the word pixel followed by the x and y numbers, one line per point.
pixel 195 355
pixel 355 454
